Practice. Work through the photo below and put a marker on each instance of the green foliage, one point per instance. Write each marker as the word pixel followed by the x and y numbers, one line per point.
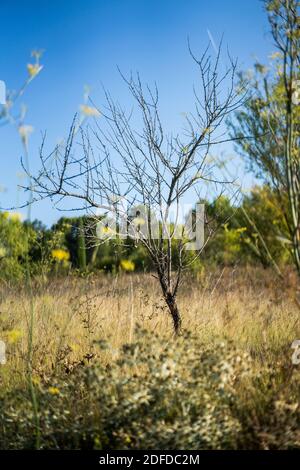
pixel 267 127
pixel 224 247
pixel 255 231
pixel 259 127
pixel 235 240
pixel 14 246
pixel 263 208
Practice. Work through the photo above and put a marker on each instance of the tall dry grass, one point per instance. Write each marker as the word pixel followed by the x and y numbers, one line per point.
pixel 249 306
pixel 107 372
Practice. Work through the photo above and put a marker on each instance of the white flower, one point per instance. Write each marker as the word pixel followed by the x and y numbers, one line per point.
pixel 25 132
pixel 168 368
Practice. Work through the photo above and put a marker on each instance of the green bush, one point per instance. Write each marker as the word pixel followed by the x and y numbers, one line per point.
pixel 14 245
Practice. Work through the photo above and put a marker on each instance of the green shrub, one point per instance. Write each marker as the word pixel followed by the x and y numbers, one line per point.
pixel 159 394
pixel 14 246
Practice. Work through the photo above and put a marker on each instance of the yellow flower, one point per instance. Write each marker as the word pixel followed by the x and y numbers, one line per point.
pixel 89 110
pixel 13 336
pixel 275 55
pixel 34 69
pixel 127 265
pixel 241 229
pixel 15 216
pixel 53 390
pixel 225 226
pixel 60 255
pixel 104 231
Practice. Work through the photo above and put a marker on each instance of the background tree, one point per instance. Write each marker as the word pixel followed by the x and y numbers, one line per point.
pixel 15 241
pixel 272 117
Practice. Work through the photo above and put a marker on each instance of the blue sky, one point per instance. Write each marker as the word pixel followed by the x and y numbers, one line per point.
pixel 84 41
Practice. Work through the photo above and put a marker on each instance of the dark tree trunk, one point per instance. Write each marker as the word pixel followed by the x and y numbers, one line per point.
pixel 174 311
pixel 170 298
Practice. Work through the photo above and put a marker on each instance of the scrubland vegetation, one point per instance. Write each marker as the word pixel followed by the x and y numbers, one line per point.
pixel 134 343
pixel 108 373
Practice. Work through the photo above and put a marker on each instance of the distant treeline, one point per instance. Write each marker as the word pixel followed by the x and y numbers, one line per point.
pixel 253 232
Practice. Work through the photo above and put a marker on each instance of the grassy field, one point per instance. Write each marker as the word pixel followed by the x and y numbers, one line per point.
pixel 103 370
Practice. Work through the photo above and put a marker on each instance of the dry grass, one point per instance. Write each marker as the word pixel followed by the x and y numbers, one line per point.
pixel 234 372
pixel 250 306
